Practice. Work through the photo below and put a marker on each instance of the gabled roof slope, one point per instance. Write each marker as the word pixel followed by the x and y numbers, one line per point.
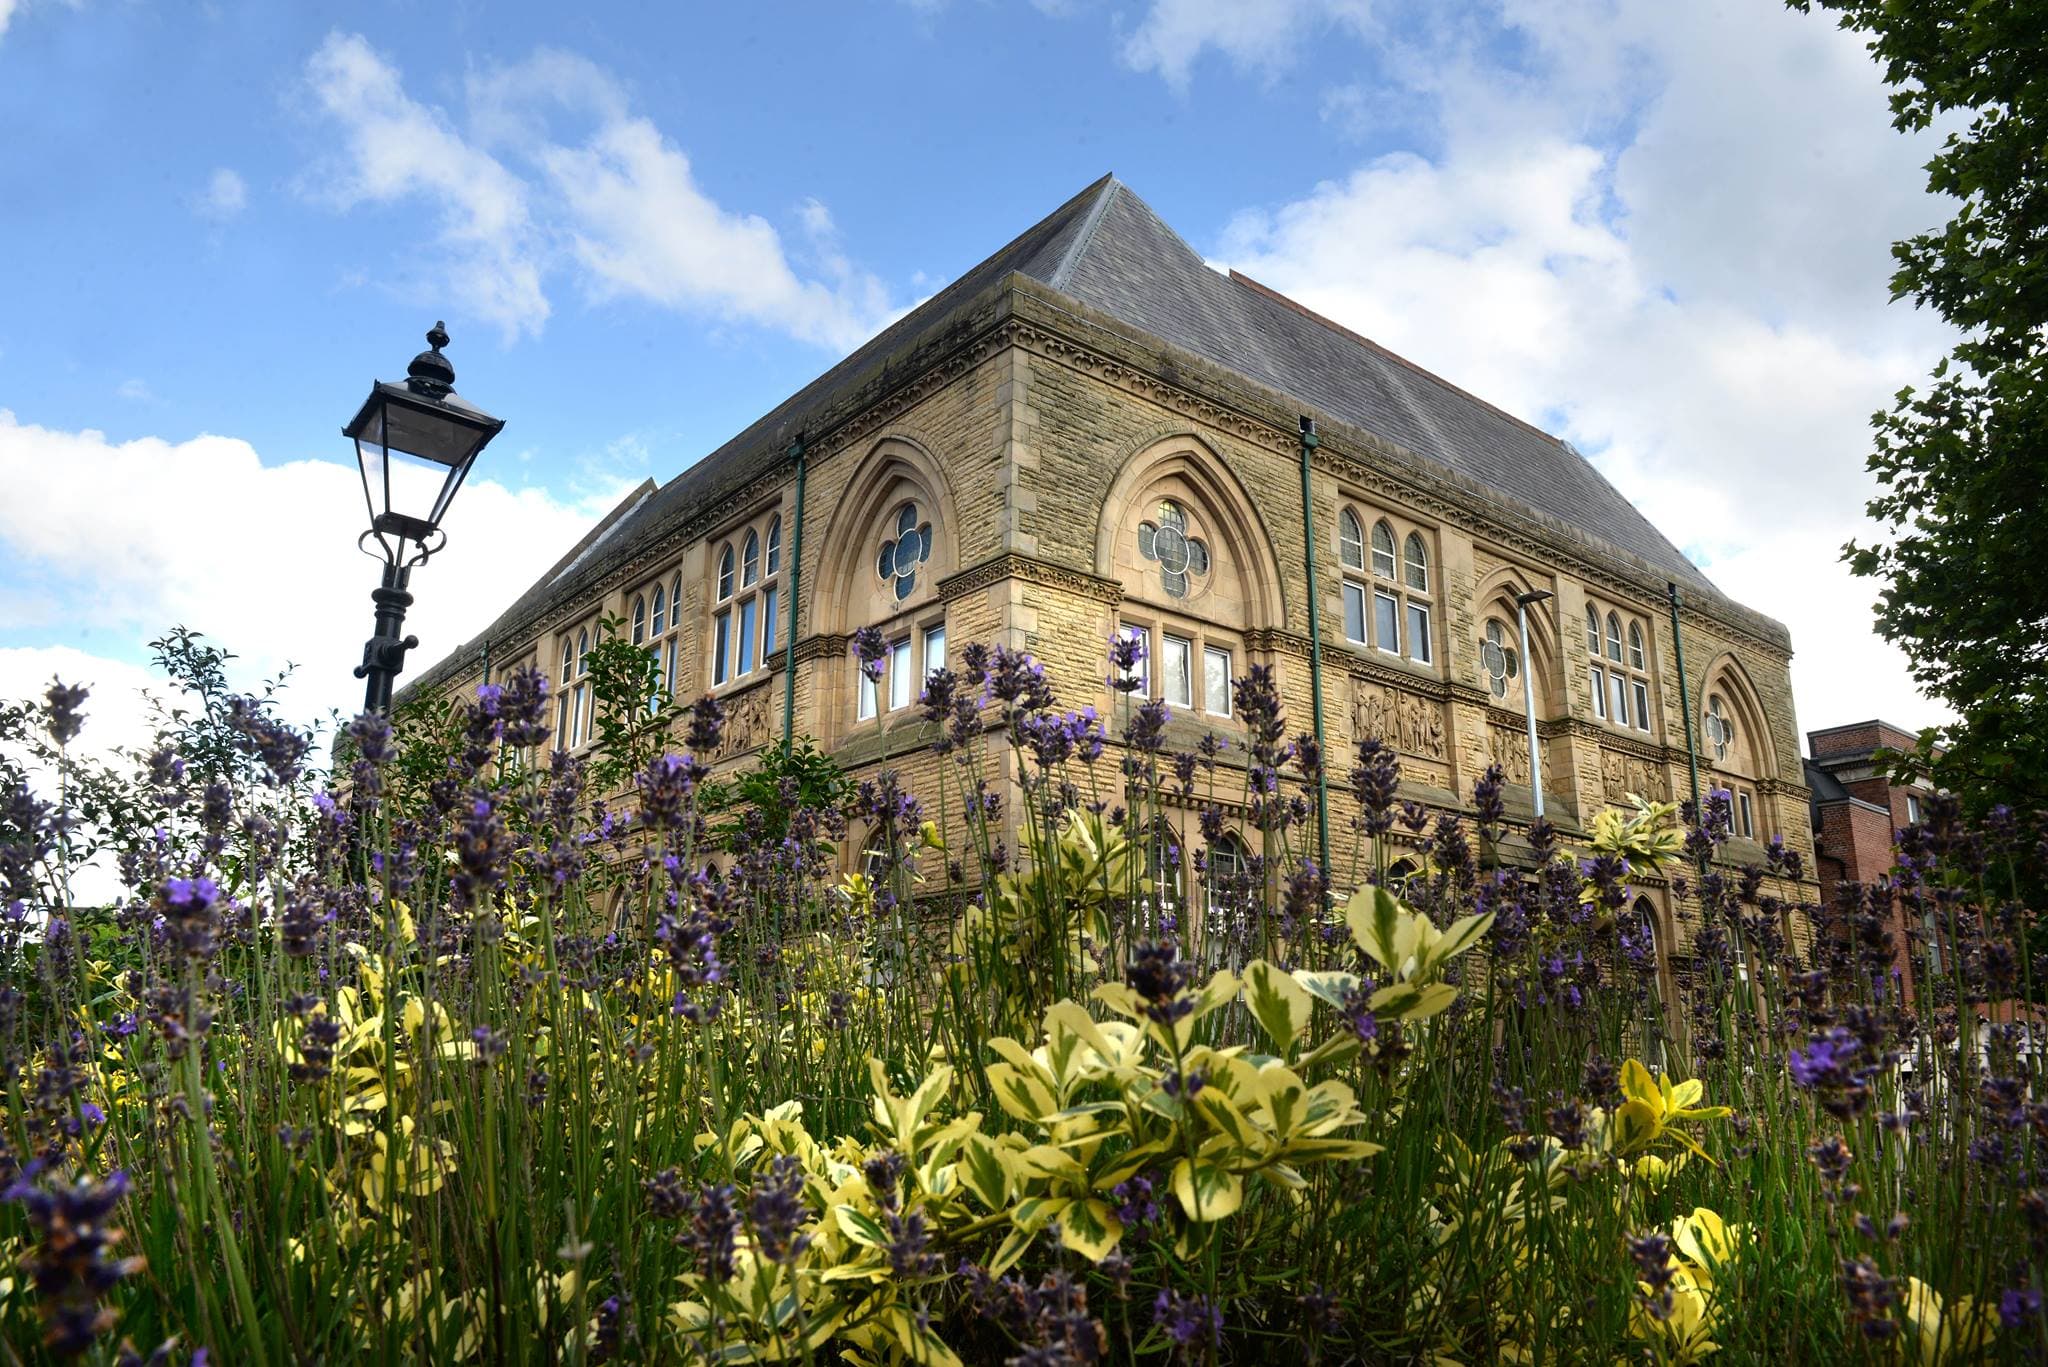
pixel 1130 265
pixel 1108 250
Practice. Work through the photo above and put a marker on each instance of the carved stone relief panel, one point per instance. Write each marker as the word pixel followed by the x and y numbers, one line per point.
pixel 1412 725
pixel 1622 774
pixel 1509 748
pixel 748 719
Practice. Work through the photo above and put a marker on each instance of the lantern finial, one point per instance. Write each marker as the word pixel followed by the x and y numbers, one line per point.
pixel 430 371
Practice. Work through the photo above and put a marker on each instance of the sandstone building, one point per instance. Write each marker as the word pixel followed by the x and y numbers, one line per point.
pixel 1093 431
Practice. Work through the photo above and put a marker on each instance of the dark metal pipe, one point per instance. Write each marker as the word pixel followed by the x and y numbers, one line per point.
pixel 384 652
pixel 796 572
pixel 1315 646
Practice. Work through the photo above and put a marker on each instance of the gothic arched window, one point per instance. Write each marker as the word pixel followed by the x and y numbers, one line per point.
pixel 1593 630
pixel 904 552
pixel 1614 638
pixel 1635 647
pixel 750 561
pixel 725 573
pixel 1179 555
pixel 1350 540
pixel 1498 659
pixel 1415 564
pixel 639 620
pixel 775 544
pixel 1383 550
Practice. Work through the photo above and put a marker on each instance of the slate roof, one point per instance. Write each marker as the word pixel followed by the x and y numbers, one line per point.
pixel 1107 249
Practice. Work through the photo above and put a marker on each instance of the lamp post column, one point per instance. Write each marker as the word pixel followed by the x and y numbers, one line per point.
pixel 384 652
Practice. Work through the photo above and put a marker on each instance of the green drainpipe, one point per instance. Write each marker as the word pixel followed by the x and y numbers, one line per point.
pixel 1315 647
pixel 796 572
pixel 1692 753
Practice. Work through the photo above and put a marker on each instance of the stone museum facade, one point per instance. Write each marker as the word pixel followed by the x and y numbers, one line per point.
pixel 1093 432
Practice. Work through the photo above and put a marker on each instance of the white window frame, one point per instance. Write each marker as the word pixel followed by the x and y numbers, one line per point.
pixel 1181 648
pixel 1389 602
pixel 1599 691
pixel 898 674
pixel 934 649
pixel 1209 700
pixel 1420 649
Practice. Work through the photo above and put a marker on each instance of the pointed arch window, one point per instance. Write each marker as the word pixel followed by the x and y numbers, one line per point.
pixel 1383 550
pixel 745 620
pixel 1415 563
pixel 1182 558
pixel 1619 674
pixel 639 620
pixel 562 693
pixel 1350 541
pixel 1386 606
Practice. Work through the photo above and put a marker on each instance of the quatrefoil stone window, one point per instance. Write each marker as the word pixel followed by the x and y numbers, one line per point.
pixel 1179 555
pixel 904 552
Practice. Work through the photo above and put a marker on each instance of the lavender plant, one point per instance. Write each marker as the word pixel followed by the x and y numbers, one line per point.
pixel 480 1053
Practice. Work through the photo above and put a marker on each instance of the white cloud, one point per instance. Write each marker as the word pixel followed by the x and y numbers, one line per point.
pixel 7 8
pixel 551 173
pixel 135 391
pixel 1698 302
pixel 1264 38
pixel 225 196
pixel 142 535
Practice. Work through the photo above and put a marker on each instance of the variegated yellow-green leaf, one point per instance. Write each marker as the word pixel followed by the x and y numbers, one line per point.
pixel 1330 987
pixel 981 1169
pixel 1022 1094
pixel 1014 1246
pixel 1091 1229
pixel 859 1227
pixel 1278 1003
pixel 1206 1191
pixel 1412 1002
pixel 919 1342
pixel 1377 920
pixel 1034 1211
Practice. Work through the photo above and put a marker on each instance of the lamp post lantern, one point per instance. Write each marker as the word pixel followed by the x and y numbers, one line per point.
pixel 1522 604
pixel 415 443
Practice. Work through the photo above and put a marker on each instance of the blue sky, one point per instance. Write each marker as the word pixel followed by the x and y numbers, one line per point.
pixel 1660 231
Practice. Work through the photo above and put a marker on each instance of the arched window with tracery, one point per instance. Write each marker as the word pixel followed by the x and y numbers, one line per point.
pixel 1181 557
pixel 1732 736
pixel 639 620
pixel 746 619
pixel 1499 659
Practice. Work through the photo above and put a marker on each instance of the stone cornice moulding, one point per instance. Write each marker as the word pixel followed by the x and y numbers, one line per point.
pixel 1031 570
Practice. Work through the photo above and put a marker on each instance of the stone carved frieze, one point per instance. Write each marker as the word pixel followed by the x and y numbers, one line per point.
pixel 1411 725
pixel 749 718
pixel 1509 748
pixel 1622 774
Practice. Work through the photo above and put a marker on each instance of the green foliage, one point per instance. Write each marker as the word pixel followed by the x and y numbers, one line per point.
pixel 462 1103
pixel 779 782
pixel 1962 459
pixel 628 705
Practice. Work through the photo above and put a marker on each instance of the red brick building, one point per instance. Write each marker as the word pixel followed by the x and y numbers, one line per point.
pixel 1856 810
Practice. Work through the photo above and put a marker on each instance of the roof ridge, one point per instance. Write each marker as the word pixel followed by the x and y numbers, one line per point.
pixel 1425 372
pixel 1079 246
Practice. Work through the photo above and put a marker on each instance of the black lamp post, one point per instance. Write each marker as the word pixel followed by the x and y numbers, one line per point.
pixel 415 442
